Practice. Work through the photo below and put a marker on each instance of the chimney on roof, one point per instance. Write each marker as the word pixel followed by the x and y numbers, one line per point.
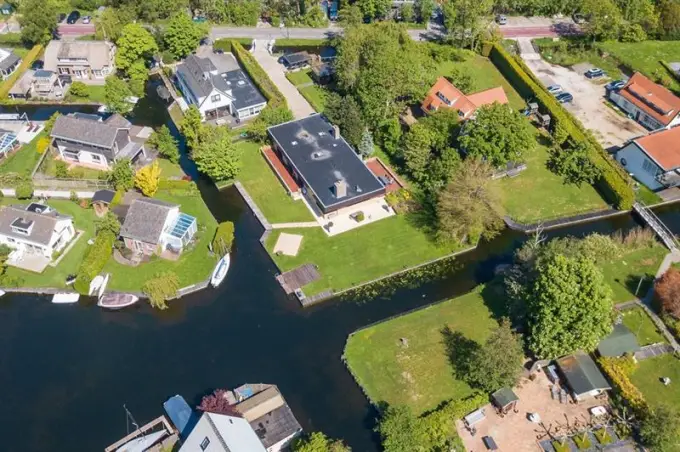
pixel 336 132
pixel 340 187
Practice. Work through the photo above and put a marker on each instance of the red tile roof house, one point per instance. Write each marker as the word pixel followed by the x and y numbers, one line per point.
pixel 444 94
pixel 654 159
pixel 648 103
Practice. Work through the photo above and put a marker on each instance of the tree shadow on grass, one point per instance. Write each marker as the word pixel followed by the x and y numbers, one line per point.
pixel 459 350
pixel 637 285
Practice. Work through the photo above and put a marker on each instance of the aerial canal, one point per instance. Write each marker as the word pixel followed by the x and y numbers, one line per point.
pixel 66 370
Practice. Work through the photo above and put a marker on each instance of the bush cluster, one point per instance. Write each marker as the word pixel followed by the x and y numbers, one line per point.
pixel 225 44
pixel 93 263
pixel 161 288
pixel 618 371
pixel 614 183
pixel 258 76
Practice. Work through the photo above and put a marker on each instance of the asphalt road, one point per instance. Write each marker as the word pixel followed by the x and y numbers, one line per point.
pixel 76 29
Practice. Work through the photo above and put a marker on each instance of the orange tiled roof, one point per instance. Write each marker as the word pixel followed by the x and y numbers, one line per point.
pixel 653 99
pixel 444 94
pixel 489 96
pixel 663 146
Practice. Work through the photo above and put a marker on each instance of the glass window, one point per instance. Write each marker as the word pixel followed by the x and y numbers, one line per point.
pixel 205 443
pixel 96 158
pixel 649 167
pixel 215 98
pixel 623 162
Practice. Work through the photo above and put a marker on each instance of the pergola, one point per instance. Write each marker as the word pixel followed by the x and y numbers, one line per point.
pixel 504 400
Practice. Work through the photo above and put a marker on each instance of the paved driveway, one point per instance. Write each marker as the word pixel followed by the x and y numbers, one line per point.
pixel 589 104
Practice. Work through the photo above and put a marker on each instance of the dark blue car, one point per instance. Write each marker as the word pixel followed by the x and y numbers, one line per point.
pixel 564 98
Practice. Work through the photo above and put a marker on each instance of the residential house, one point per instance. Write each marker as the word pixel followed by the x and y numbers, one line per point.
pixel 331 175
pixel 653 159
pixel 152 227
pixel 35 229
pixel 86 140
pixel 38 84
pixel 260 420
pixel 9 62
pixel 582 376
pixel 216 93
pixel 648 103
pixel 296 60
pixel 444 94
pixel 83 60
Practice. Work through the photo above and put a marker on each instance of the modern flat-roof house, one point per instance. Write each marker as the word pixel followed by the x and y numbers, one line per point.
pixel 582 376
pixel 9 62
pixel 34 229
pixel 216 93
pixel 297 60
pixel 152 226
pixel 653 159
pixel 444 94
pixel 261 421
pixel 331 175
pixel 648 103
pixel 86 140
pixel 82 60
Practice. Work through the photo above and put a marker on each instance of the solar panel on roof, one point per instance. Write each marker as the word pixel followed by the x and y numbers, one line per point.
pixel 7 141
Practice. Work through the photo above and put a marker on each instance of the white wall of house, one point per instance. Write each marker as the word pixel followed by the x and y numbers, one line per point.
pixel 639 115
pixel 169 220
pixel 234 430
pixel 84 157
pixel 637 163
pixel 63 233
pixel 204 103
pixel 251 111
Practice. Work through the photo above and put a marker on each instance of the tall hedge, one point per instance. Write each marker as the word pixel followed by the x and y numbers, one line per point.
pixel 26 63
pixel 258 76
pixel 225 43
pixel 614 183
pixel 97 256
pixel 300 45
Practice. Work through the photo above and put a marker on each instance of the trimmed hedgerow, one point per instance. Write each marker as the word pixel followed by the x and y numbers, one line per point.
pixel 258 76
pixel 618 371
pixel 225 43
pixel 97 256
pixel 614 183
pixel 300 45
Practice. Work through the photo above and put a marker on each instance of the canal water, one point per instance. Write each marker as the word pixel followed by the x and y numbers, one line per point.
pixel 67 370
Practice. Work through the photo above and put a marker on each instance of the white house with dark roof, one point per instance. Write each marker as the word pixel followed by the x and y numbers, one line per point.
pixel 152 226
pixel 34 229
pixel 653 159
pixel 9 62
pixel 82 60
pixel 218 93
pixel 88 141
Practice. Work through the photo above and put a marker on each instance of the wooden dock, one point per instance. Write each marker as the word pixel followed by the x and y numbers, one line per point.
pixel 298 277
pixel 161 420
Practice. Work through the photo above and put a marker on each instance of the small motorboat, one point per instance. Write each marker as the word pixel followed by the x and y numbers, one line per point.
pixel 143 442
pixel 95 284
pixel 2 292
pixel 65 297
pixel 117 300
pixel 220 271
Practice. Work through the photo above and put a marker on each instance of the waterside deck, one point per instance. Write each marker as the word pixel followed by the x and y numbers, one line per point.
pixel 165 444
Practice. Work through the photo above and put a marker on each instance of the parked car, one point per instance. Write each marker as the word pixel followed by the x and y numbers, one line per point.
pixel 73 17
pixel 616 84
pixel 87 19
pixel 594 73
pixel 564 98
pixel 554 89
pixel 501 19
pixel 38 64
pixel 199 19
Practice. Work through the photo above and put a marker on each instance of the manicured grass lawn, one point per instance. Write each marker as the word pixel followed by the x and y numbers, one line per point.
pixel 24 160
pixel 539 194
pixel 49 167
pixel 170 170
pixel 485 76
pixel 266 190
pixel 96 93
pixel 299 77
pixel 56 276
pixel 316 96
pixel 623 273
pixel 194 265
pixel 419 374
pixel 645 56
pixel 647 379
pixel 637 320
pixel 362 254
pixel 575 55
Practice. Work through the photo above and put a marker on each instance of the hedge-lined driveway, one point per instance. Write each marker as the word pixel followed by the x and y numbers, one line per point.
pixel 611 128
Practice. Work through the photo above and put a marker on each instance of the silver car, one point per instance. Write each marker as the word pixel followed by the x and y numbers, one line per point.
pixel 554 89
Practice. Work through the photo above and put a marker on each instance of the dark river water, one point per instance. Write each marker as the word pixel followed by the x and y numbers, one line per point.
pixel 67 370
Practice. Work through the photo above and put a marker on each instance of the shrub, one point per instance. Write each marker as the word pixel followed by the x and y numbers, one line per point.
pixel 637 238
pixel 618 371
pixel 73 196
pixel 224 237
pixel 61 169
pixel 258 75
pixel 95 259
pixel 79 89
pixel 359 217
pixel 300 45
pixel 614 183
pixel 42 144
pixel 117 198
pixel 667 292
pixel 147 179
pixel 24 190
pixel 225 43
pixel 161 288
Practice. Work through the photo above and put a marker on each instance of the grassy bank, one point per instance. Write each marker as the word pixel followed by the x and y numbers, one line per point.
pixel 645 56
pixel 647 378
pixel 623 273
pixel 407 360
pixel 24 160
pixel 637 320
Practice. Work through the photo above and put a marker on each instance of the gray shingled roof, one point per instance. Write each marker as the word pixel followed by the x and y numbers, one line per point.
pixel 276 426
pixel 84 131
pixel 620 341
pixel 581 373
pixel 117 121
pixel 43 223
pixel 10 61
pixel 145 219
pixel 192 72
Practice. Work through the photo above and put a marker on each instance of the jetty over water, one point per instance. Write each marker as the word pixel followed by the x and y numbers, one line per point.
pixel 650 218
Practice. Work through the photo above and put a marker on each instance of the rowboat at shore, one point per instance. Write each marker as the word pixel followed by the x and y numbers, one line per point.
pixel 65 297
pixel 117 300
pixel 220 271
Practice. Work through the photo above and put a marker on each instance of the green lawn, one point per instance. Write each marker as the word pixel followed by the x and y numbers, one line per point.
pixel 49 167
pixel 647 377
pixel 362 254
pixel 623 273
pixel 316 96
pixel 645 56
pixel 56 276
pixel 637 320
pixel 485 76
pixel 266 190
pixel 24 160
pixel 419 374
pixel 554 52
pixel 539 194
pixel 170 170
pixel 96 93
pixel 194 265
pixel 299 77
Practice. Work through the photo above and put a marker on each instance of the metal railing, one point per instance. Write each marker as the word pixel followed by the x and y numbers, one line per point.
pixel 657 226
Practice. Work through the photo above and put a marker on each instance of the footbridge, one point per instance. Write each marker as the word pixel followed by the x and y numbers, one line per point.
pixel 650 218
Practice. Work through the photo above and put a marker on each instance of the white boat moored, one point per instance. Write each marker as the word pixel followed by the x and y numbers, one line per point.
pixel 65 297
pixel 220 271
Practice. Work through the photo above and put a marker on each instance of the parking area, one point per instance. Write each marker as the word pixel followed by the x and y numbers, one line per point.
pixel 610 127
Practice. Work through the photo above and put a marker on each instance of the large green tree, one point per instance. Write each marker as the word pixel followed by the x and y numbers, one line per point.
pixel 374 9
pixel 112 20
pixel 216 155
pixel 569 306
pixel 116 91
pixel 191 126
pixel 465 20
pixel 604 19
pixel 183 35
pixel 38 20
pixel 417 150
pixel 669 22
pixel 122 176
pixel 345 112
pixel 136 47
pixel 660 429
pixel 318 442
pixel 165 143
pixel 269 116
pixel 573 164
pixel 497 135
